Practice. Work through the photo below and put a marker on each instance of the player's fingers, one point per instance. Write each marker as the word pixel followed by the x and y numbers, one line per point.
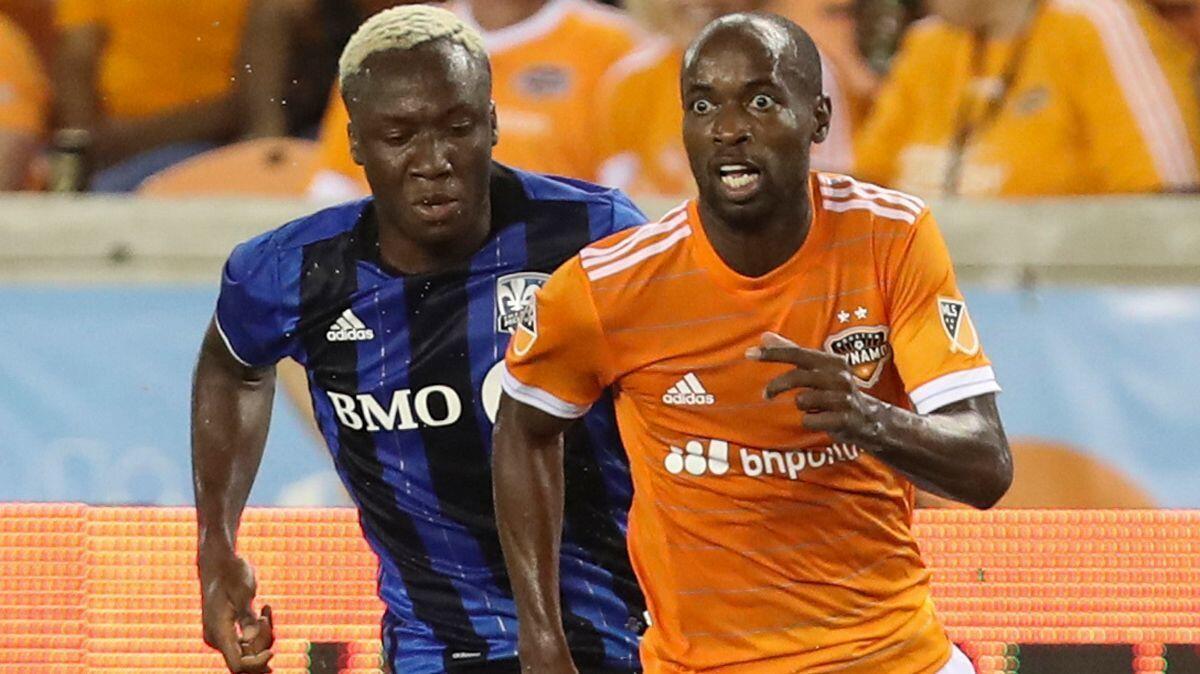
pixel 801 378
pixel 828 422
pixel 258 663
pixel 268 619
pixel 223 637
pixel 260 636
pixel 817 400
pixel 777 349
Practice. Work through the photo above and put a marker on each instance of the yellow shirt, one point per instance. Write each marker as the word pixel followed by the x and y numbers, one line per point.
pixel 24 92
pixel 545 71
pixel 642 125
pixel 1102 102
pixel 160 54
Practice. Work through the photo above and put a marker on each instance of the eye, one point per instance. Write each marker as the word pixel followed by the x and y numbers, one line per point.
pixel 702 107
pixel 762 102
pixel 398 137
pixel 462 126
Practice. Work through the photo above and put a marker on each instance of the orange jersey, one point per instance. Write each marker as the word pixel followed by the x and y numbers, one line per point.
pixel 24 92
pixel 1102 100
pixel 763 548
pixel 641 123
pixel 545 70
pixel 158 55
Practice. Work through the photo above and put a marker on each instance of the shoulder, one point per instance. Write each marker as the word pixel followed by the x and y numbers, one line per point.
pixel 647 63
pixel 928 32
pixel 601 20
pixel 1117 26
pixel 609 209
pixel 546 187
pixel 848 201
pixel 266 248
pixel 638 252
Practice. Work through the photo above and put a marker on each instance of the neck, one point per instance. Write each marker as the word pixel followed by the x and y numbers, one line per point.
pixel 402 254
pixel 492 15
pixel 1007 18
pixel 758 250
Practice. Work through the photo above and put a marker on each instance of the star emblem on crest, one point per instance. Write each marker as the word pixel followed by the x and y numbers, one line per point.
pixel 843 317
pixel 860 313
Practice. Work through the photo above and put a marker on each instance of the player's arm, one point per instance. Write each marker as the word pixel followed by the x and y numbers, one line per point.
pixel 959 451
pixel 231 410
pixel 527 474
pixel 232 392
pixel 557 365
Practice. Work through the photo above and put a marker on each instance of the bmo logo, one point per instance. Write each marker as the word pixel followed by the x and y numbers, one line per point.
pixel 699 457
pixel 432 406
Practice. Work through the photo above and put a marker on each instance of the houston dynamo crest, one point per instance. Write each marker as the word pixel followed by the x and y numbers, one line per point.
pixel 865 348
pixel 513 293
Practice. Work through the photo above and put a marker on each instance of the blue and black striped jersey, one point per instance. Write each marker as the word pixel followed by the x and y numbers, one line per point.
pixel 405 379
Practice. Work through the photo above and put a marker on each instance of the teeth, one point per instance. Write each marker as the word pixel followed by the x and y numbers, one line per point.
pixel 734 168
pixel 738 181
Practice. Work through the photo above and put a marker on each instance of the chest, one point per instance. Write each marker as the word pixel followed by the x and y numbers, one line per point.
pixel 699 376
pixel 407 353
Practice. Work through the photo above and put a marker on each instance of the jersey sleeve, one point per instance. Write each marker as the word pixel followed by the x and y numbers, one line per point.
pixel 625 214
pixel 250 307
pixel 558 361
pixel 936 347
pixel 1138 114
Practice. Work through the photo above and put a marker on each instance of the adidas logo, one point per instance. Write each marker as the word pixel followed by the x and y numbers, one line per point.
pixel 348 328
pixel 688 391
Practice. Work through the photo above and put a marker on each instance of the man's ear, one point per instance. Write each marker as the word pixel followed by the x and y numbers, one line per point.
pixel 355 152
pixel 495 125
pixel 822 113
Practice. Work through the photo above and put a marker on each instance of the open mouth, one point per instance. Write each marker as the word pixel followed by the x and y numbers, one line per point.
pixel 436 207
pixel 740 181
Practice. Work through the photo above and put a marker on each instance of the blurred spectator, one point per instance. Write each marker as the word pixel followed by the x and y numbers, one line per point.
pixel 291 50
pixel 1028 97
pixel 150 81
pixel 833 26
pixel 24 101
pixel 547 59
pixel 642 115
pixel 1184 17
pixel 36 20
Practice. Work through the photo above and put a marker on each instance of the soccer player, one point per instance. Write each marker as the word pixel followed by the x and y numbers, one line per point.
pixel 547 59
pixel 400 306
pixel 790 356
pixel 640 114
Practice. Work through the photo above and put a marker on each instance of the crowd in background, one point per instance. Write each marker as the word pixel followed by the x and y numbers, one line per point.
pixel 967 97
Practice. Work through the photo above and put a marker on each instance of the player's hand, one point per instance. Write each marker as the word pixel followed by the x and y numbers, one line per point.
pixel 827 394
pixel 227 588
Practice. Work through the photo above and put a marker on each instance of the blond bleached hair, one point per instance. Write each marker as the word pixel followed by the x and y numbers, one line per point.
pixel 406 27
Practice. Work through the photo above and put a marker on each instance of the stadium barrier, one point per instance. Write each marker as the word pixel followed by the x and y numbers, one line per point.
pixel 113 590
pixel 95 238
